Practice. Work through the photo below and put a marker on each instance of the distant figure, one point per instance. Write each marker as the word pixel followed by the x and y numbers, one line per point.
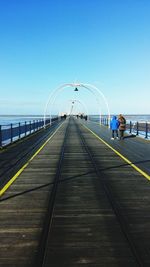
pixel 122 126
pixel 114 125
pixel 85 117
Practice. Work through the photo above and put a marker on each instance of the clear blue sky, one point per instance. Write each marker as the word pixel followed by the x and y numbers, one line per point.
pixel 45 43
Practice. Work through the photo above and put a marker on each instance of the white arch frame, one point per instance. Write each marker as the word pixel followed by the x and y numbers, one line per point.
pixel 97 100
pixel 104 98
pixel 87 86
pixel 81 102
pixel 78 101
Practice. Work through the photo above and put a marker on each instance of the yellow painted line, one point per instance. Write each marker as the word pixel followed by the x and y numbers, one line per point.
pixel 3 190
pixel 120 155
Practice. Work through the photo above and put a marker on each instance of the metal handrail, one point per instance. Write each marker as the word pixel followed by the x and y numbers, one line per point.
pixel 137 128
pixel 9 133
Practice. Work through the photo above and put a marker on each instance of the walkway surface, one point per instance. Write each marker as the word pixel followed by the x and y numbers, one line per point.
pixel 79 199
pixel 135 148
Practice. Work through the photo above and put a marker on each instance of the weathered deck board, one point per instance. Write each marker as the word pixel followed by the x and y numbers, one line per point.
pixel 84 231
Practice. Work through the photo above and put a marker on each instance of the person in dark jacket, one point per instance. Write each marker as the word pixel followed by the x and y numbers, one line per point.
pixel 114 125
pixel 122 126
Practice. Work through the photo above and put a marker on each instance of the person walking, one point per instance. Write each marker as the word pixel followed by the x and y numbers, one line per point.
pixel 122 126
pixel 114 125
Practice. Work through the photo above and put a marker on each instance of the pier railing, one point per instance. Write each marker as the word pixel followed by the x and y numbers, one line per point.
pixel 11 132
pixel 138 128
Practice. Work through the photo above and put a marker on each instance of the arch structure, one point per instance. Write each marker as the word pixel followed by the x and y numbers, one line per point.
pixel 82 104
pixel 91 88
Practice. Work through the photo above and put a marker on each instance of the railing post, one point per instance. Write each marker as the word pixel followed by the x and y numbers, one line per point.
pixel 25 128
pixel 130 127
pixel 11 132
pixel 30 127
pixel 146 130
pixel 19 130
pixel 137 128
pixel 0 135
pixel 37 125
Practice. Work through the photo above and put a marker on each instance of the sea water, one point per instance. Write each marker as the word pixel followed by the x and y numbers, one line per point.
pixel 8 119
pixel 134 117
pixel 5 119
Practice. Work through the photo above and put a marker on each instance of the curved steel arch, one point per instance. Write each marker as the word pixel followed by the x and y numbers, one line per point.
pixel 78 101
pixel 81 102
pixel 104 98
pixel 87 86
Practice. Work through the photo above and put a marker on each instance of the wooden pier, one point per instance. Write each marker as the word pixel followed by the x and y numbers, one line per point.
pixel 72 197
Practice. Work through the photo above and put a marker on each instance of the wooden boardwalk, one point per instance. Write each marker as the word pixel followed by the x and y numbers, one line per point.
pixel 135 148
pixel 101 211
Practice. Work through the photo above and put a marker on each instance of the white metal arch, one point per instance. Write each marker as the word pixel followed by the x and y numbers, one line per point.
pixel 78 101
pixel 81 103
pixel 99 92
pixel 87 86
pixel 75 85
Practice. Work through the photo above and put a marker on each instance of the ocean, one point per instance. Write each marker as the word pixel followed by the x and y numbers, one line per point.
pixel 133 117
pixel 8 119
